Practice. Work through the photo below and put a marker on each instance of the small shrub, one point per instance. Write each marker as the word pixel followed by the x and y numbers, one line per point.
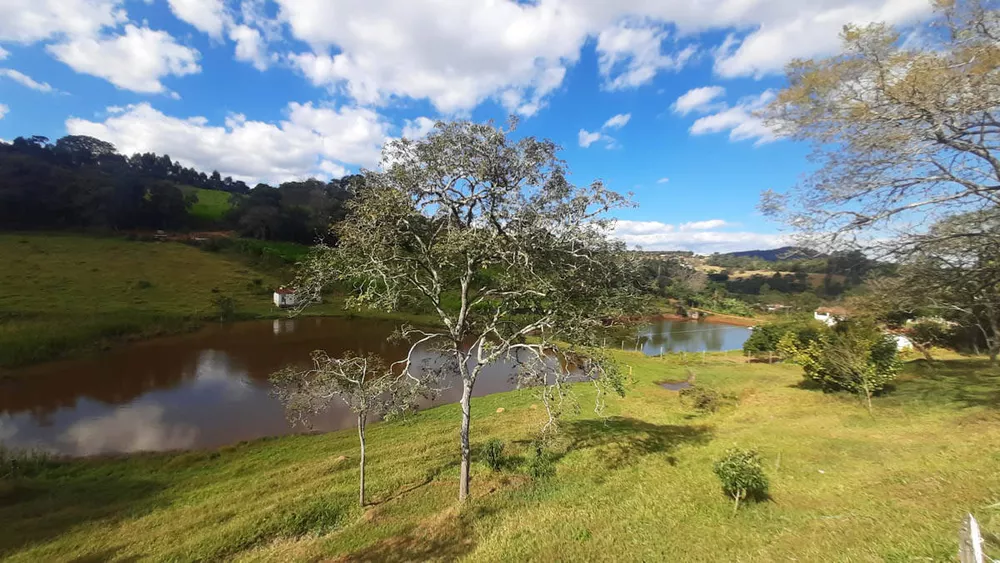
pixel 225 307
pixel 493 454
pixel 855 357
pixel 742 476
pixel 704 399
pixel 143 284
pixel 541 464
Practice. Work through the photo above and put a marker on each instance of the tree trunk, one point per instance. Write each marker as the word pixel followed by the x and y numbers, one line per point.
pixel 361 437
pixel 463 485
pixel 736 506
pixel 925 350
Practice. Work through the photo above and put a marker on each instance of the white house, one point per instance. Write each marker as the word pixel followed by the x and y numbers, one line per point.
pixel 830 315
pixel 284 297
pixel 903 342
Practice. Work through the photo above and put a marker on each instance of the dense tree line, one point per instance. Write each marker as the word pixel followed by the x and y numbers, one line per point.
pixel 83 183
pixel 80 182
pixel 294 211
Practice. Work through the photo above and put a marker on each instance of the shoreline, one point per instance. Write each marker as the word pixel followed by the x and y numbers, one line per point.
pixel 165 326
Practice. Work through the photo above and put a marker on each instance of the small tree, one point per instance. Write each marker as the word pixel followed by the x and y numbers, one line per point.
pixel 742 476
pixel 854 357
pixel 487 233
pixel 363 383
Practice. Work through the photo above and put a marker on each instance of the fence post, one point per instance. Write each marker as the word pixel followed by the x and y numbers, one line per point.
pixel 970 542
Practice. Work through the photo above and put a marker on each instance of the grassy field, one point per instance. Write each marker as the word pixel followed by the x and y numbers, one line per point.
pixel 212 205
pixel 62 295
pixel 635 487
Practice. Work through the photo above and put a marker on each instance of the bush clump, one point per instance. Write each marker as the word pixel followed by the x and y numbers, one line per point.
pixel 742 476
pixel 854 357
pixel 765 338
pixel 541 464
pixel 493 454
pixel 704 399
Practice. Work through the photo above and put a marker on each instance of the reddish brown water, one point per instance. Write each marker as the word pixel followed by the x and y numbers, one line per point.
pixel 208 388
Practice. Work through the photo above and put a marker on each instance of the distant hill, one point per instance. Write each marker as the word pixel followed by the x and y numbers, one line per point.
pixel 777 254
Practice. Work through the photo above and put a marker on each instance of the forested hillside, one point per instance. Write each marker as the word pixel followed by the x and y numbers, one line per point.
pixel 82 183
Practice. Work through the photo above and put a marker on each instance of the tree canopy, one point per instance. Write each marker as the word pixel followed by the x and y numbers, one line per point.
pixel 905 132
pixel 488 233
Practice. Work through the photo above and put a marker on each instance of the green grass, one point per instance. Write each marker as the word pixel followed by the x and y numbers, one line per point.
pixel 638 486
pixel 212 205
pixel 68 294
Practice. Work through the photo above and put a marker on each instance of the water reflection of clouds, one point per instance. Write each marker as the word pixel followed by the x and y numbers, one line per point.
pixel 129 429
pixel 215 371
pixel 7 429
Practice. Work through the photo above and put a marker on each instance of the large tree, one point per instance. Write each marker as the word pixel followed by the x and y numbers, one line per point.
pixel 954 274
pixel 905 129
pixel 487 233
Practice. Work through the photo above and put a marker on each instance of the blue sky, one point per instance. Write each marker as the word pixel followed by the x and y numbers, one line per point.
pixel 654 97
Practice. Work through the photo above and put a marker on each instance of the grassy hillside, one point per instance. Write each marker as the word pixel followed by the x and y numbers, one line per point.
pixel 63 293
pixel 212 205
pixel 66 294
pixel 638 486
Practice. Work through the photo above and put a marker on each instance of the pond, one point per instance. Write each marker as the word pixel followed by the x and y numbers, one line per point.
pixel 210 388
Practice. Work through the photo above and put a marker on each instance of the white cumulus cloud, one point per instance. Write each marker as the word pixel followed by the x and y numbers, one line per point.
pixel 207 16
pixel 250 46
pixel 135 61
pixel 457 53
pixel 631 54
pixel 418 128
pixel 4 110
pixel 618 121
pixel 25 80
pixel 28 21
pixel 697 99
pixel 739 120
pixel 312 140
pixel 587 138
pixel 703 237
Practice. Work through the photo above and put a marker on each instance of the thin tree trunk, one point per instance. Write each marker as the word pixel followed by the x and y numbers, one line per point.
pixel 737 505
pixel 925 350
pixel 361 437
pixel 463 486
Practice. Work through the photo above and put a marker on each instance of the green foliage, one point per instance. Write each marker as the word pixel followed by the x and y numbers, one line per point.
pixel 271 253
pixel 854 357
pixel 493 454
pixel 541 462
pixel 723 304
pixel 765 338
pixel 225 307
pixel 704 399
pixel 742 476
pixel 23 463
